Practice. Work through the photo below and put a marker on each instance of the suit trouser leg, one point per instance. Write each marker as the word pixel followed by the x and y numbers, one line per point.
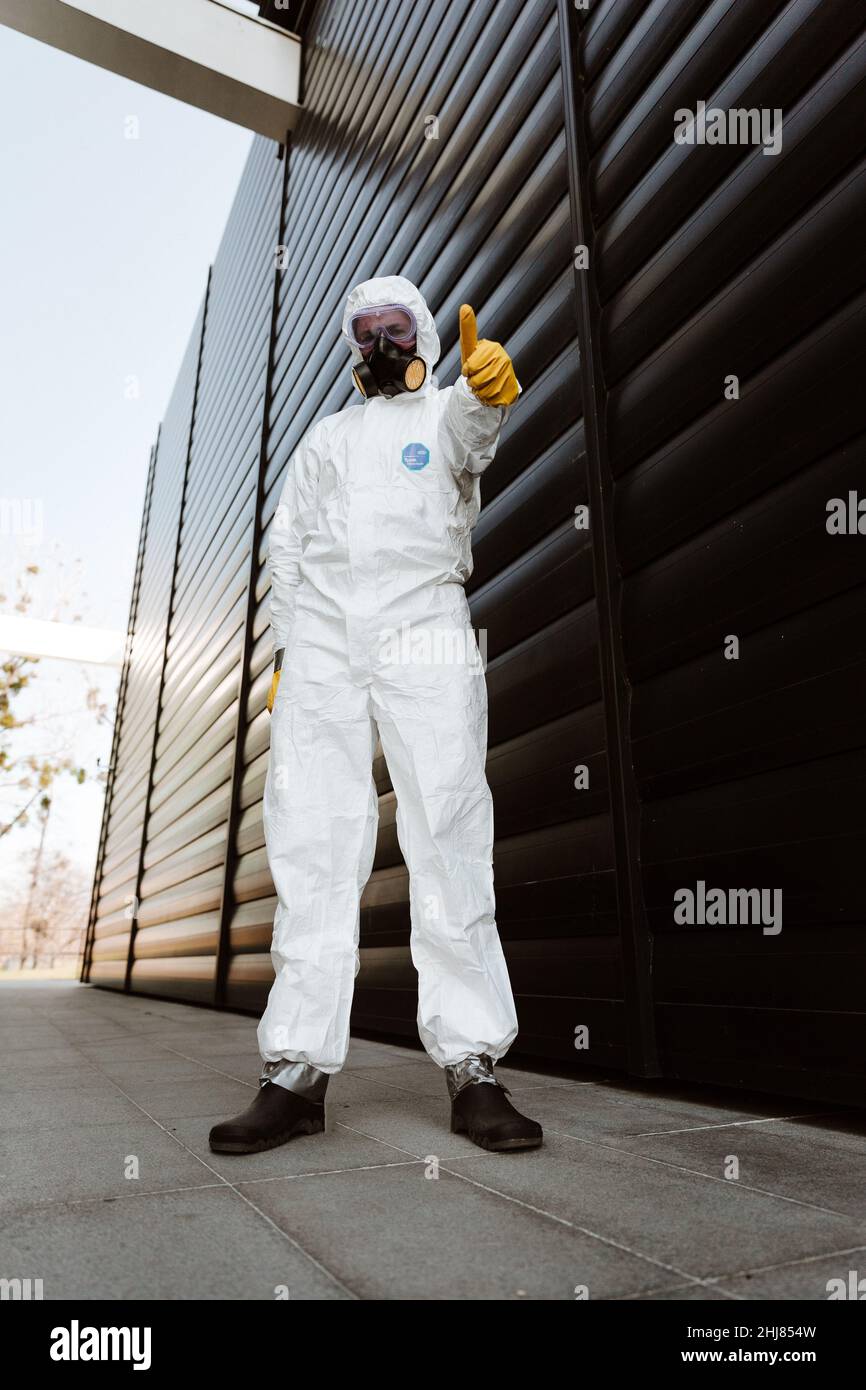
pixel 432 719
pixel 320 819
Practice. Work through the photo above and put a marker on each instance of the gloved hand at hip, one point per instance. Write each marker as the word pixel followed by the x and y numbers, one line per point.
pixel 486 365
pixel 275 679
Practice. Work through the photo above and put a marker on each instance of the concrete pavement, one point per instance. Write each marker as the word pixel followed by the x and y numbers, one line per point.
pixel 108 1188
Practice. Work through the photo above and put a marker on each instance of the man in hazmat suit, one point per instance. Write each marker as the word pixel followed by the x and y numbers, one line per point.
pixel 369 553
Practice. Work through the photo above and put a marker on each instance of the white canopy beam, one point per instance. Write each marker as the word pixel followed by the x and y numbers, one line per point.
pixel 94 646
pixel 204 53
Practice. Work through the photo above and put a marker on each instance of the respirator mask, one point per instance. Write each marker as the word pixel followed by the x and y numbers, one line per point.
pixel 386 336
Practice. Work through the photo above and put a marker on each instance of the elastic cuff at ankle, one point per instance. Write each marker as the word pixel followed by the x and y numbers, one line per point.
pixel 469 1071
pixel 299 1077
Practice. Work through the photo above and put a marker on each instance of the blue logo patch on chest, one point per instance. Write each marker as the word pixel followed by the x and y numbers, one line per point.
pixel 416 457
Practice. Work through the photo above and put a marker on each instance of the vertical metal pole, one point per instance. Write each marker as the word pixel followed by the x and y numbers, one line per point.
pixel 87 954
pixel 616 691
pixel 227 898
pixel 145 824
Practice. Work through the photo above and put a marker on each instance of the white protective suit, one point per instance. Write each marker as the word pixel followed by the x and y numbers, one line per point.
pixel 369 551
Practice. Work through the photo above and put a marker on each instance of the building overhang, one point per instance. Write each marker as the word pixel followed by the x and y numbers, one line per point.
pixel 38 637
pixel 233 65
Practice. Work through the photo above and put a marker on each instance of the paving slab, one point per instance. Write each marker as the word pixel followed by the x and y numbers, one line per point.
pixel 66 1163
pixel 207 1244
pixel 611 1112
pixel 425 1078
pixel 693 1293
pixel 806 1279
pixel 244 1065
pixel 208 1041
pixel 700 1227
pixel 337 1149
pixel 788 1166
pixel 130 1048
pixel 416 1124
pixel 844 1132
pixel 28 1037
pixel 625 1197
pixel 61 1076
pixel 130 1073
pixel 160 1097
pixel 71 1105
pixel 362 1056
pixel 396 1234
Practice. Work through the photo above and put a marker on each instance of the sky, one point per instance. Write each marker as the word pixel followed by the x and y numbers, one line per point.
pixel 114 199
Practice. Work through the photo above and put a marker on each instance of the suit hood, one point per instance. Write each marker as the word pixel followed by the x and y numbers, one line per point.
pixel 394 289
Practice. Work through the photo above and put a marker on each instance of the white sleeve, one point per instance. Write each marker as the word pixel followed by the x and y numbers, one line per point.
pixel 294 515
pixel 469 429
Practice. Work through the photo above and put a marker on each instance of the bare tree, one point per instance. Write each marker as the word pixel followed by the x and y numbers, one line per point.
pixel 44 923
pixel 26 776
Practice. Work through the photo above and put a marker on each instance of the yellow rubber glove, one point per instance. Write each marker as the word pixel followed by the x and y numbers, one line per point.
pixel 486 366
pixel 272 693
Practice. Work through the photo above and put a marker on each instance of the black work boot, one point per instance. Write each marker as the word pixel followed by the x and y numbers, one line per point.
pixel 275 1116
pixel 481 1110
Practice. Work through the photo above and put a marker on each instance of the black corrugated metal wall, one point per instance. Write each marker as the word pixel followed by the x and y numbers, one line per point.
pixel 116 890
pixel 175 948
pixel 712 261
pixel 433 145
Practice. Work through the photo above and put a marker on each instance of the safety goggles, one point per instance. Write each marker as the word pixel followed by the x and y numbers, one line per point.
pixel 394 320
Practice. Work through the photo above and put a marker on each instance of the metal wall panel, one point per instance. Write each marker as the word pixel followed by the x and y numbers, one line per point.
pixel 712 260
pixel 175 945
pixel 118 868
